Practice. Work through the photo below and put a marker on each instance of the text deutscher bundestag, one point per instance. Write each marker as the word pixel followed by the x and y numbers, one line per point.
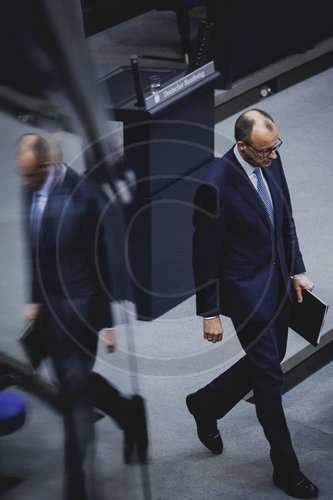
pixel 183 84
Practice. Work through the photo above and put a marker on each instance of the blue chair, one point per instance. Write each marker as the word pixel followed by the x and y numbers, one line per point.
pixel 12 407
pixel 12 413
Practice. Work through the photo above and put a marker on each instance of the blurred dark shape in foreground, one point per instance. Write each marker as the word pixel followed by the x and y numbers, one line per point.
pixel 46 65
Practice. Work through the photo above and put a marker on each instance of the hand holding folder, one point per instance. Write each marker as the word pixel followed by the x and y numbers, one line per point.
pixel 307 317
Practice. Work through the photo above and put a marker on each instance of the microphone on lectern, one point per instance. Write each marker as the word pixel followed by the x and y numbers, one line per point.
pixel 137 81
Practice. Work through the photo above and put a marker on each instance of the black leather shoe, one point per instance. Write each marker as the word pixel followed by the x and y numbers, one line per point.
pixel 140 429
pixel 299 487
pixel 207 430
pixel 128 449
pixel 136 434
pixel 212 441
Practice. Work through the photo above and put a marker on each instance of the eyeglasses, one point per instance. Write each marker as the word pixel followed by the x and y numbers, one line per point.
pixel 267 152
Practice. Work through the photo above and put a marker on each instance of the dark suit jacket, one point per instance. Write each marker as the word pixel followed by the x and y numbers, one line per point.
pixel 68 263
pixel 239 259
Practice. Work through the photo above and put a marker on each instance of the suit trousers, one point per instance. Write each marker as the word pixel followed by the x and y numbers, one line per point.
pixel 73 369
pixel 260 369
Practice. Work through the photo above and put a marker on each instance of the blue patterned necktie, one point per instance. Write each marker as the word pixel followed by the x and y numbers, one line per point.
pixel 263 193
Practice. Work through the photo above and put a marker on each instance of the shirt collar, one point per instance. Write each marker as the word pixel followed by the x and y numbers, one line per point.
pixel 45 189
pixel 249 169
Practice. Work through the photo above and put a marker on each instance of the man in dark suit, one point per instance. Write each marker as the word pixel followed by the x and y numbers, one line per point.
pixel 69 268
pixel 246 261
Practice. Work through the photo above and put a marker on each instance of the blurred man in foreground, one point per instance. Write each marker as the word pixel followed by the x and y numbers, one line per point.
pixel 69 283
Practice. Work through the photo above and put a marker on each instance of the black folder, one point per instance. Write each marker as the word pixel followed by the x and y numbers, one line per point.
pixel 34 343
pixel 307 318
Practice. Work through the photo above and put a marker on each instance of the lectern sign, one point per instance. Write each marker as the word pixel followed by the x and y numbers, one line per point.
pixel 179 85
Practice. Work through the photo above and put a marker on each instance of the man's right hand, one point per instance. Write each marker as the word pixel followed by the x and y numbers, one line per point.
pixel 212 329
pixel 31 311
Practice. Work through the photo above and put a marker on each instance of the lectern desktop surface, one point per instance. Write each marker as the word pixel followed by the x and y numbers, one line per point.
pixel 121 86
